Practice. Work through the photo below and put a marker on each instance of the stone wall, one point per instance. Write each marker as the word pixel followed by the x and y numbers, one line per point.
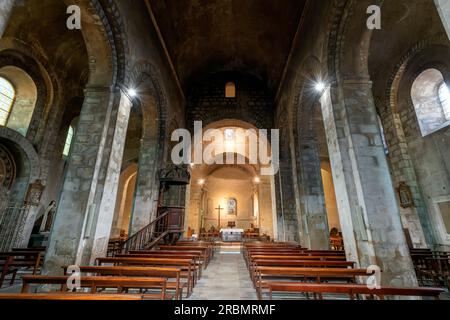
pixel 252 104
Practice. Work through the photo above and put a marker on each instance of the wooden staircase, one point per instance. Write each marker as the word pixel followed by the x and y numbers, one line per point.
pixel 169 223
pixel 167 228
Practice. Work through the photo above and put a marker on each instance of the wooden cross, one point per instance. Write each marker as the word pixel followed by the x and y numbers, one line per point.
pixel 219 209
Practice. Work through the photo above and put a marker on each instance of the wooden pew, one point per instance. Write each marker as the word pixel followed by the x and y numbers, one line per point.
pixel 298 257
pixel 195 258
pixel 71 297
pixel 187 266
pixel 11 262
pixel 95 283
pixel 265 275
pixel 352 290
pixel 172 275
pixel 293 255
pixel 299 264
pixel 171 252
pixel 206 250
pixel 249 253
pixel 211 245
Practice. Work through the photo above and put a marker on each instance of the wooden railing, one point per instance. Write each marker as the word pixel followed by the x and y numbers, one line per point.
pixel 168 223
pixel 149 236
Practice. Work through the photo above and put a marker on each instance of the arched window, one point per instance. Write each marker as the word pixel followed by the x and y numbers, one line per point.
pixel 7 95
pixel 383 135
pixel 230 90
pixel 68 142
pixel 431 99
pixel 444 97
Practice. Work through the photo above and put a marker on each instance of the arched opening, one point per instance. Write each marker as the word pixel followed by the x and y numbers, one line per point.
pixel 430 97
pixel 124 202
pixel 68 142
pixel 232 181
pixel 19 166
pixel 230 90
pixel 17 100
pixel 7 95
pixel 444 98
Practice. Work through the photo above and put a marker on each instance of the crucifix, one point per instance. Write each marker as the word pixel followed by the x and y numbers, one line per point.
pixel 219 209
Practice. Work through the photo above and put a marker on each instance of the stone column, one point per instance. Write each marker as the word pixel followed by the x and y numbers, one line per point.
pixel 368 210
pixel 443 7
pixel 86 205
pixel 147 186
pixel 145 202
pixel 311 195
pixel 416 218
pixel 265 207
pixel 6 7
pixel 287 217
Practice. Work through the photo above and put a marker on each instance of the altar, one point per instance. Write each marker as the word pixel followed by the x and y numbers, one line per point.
pixel 231 235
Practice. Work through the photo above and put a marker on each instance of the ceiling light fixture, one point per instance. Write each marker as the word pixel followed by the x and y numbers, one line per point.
pixel 320 86
pixel 132 92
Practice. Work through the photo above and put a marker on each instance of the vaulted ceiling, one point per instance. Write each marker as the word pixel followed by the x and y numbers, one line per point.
pixel 209 36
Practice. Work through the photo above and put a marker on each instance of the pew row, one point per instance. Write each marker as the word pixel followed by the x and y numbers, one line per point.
pixel 351 290
pixel 121 284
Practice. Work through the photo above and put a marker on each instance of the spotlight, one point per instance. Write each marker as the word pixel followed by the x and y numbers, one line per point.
pixel 320 86
pixel 201 181
pixel 257 180
pixel 132 93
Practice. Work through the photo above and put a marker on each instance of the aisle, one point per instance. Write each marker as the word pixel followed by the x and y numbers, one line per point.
pixel 226 278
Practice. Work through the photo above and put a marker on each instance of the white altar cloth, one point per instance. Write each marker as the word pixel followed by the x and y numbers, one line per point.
pixel 231 230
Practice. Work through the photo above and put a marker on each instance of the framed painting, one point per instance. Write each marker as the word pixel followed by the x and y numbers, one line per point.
pixel 232 206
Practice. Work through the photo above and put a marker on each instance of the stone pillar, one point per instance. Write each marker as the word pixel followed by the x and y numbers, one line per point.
pixel 6 7
pixel 443 7
pixel 311 195
pixel 147 186
pixel 287 218
pixel 416 218
pixel 86 205
pixel 368 210
pixel 265 207
pixel 145 203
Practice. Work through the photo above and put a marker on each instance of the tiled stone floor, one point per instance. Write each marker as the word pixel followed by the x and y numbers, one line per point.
pixel 226 278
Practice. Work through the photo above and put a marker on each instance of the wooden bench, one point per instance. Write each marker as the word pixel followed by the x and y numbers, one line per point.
pixel 264 275
pixel 352 290
pixel 299 264
pixel 96 283
pixel 11 262
pixel 187 266
pixel 71 296
pixel 172 252
pixel 198 258
pixel 207 251
pixel 172 275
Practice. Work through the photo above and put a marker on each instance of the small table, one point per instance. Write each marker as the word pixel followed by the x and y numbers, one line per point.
pixel 231 235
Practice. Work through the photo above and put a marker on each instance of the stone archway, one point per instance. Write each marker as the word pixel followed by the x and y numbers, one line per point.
pixel 15 216
pixel 228 178
pixel 307 118
pixel 360 169
pixel 145 79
